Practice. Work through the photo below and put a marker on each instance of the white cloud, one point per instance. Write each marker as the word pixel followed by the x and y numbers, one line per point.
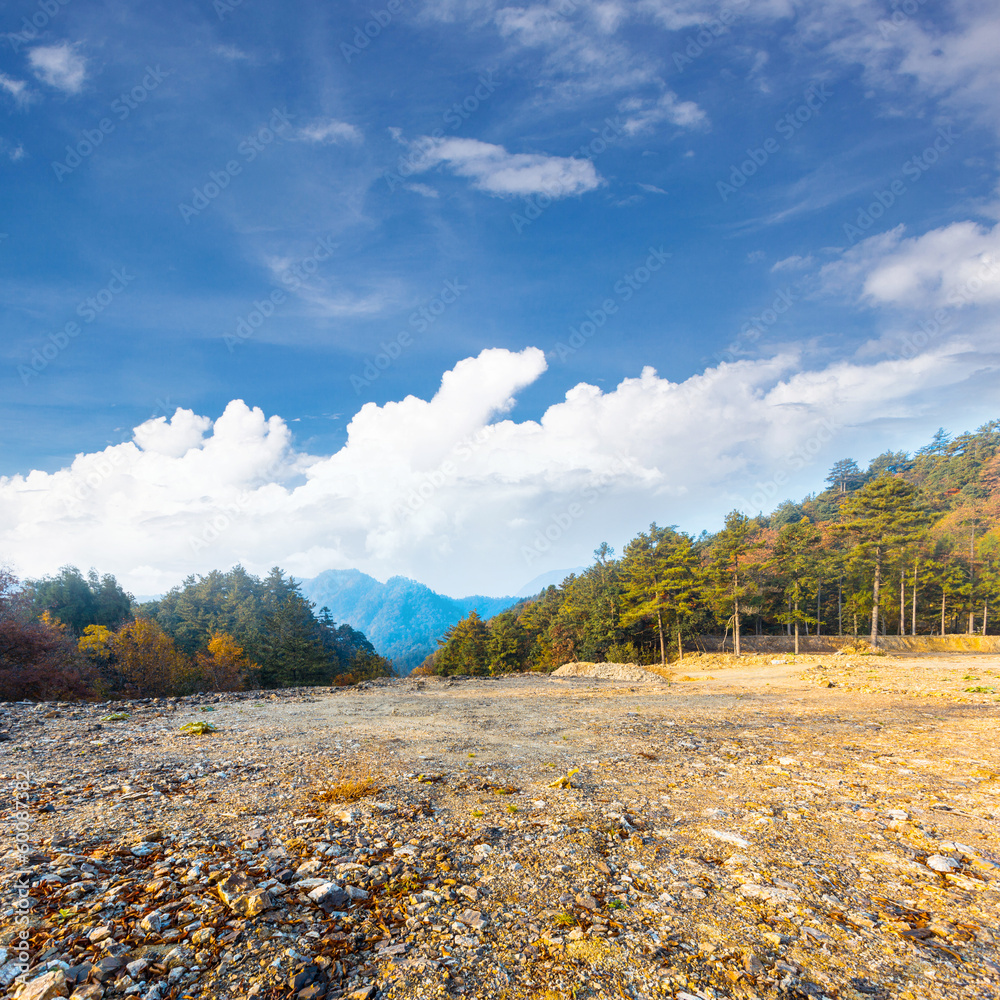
pixel 17 89
pixel 952 57
pixel 13 153
pixel 60 66
pixel 231 52
pixel 422 189
pixel 331 131
pixel 450 491
pixel 794 263
pixel 581 56
pixel 954 266
pixel 645 116
pixel 494 170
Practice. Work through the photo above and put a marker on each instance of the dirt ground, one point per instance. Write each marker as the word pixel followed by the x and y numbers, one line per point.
pixel 820 826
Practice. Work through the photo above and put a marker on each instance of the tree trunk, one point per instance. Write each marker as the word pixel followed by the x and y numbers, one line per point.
pixel 840 605
pixel 902 603
pixel 985 611
pixel 796 628
pixel 942 613
pixel 819 590
pixel 680 645
pixel 663 647
pixel 972 622
pixel 736 616
pixel 875 594
pixel 913 613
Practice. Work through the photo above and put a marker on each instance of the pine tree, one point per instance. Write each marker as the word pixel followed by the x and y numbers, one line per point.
pixel 845 476
pixel 729 551
pixel 883 513
pixel 660 570
pixel 796 561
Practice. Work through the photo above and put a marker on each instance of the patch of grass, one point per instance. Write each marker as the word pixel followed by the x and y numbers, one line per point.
pixel 478 813
pixel 198 728
pixel 564 919
pixel 616 904
pixel 980 689
pixel 970 677
pixel 116 717
pixel 346 788
pixel 511 808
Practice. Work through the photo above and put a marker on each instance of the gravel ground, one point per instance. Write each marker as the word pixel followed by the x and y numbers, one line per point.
pixel 819 827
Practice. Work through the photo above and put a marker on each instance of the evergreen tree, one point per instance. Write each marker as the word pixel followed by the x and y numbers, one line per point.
pixel 795 559
pixel 845 476
pixel 661 573
pixel 883 513
pixel 729 556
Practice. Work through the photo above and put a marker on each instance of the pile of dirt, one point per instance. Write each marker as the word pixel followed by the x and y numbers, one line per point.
pixel 611 671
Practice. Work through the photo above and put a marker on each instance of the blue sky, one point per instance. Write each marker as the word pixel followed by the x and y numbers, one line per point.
pixel 244 244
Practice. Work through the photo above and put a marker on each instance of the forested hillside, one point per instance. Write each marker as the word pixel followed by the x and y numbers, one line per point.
pixel 909 545
pixel 71 636
pixel 403 618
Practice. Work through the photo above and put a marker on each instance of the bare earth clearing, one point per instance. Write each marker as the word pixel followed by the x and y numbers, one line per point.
pixel 823 827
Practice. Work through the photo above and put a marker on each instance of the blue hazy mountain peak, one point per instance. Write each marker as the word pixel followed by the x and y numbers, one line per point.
pixel 403 618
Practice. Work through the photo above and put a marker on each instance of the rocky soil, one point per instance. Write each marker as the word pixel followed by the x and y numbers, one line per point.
pixel 819 827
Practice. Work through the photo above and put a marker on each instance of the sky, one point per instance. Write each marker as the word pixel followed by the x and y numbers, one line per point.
pixel 457 289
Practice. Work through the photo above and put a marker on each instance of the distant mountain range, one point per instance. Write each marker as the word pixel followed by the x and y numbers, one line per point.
pixel 402 618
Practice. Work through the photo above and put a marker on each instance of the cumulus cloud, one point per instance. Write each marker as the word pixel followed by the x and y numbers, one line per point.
pixel 452 490
pixel 60 66
pixel 494 170
pixel 956 265
pixel 331 131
